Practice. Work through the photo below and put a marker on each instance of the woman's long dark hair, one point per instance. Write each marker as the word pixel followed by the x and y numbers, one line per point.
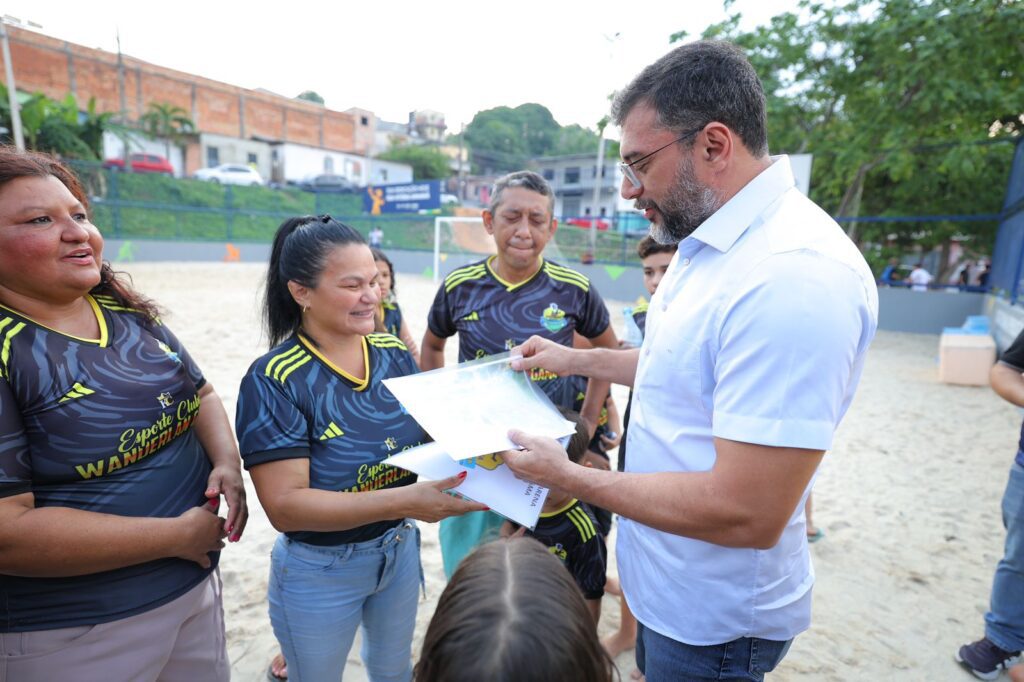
pixel 512 612
pixel 15 163
pixel 299 254
pixel 380 257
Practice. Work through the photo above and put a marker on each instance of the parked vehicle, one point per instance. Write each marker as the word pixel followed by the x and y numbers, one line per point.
pixel 586 222
pixel 142 163
pixel 328 182
pixel 230 174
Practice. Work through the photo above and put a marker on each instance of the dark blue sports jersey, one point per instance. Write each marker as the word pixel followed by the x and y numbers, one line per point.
pixel 571 535
pixel 103 426
pixel 295 403
pixel 491 315
pixel 392 317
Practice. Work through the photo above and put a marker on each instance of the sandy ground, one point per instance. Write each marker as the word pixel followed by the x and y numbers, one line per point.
pixel 908 499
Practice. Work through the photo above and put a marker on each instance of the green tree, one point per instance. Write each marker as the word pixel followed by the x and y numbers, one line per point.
pixel 902 102
pixel 428 163
pixel 170 123
pixel 310 96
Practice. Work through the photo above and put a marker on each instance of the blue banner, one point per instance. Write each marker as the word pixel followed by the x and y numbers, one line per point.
pixel 410 197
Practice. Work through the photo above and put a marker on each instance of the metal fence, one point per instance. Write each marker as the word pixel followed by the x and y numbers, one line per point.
pixel 153 206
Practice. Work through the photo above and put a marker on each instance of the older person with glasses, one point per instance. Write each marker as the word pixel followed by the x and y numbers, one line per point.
pixel 755 342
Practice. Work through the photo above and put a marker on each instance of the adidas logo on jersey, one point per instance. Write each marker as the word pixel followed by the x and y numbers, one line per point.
pixel 77 391
pixel 332 431
pixel 472 317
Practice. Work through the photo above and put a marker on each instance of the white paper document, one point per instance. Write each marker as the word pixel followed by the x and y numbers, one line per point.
pixel 470 408
pixel 488 481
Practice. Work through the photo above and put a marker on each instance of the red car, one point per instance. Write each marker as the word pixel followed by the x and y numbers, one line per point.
pixel 142 163
pixel 586 222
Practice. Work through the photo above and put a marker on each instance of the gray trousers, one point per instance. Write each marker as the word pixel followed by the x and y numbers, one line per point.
pixel 180 641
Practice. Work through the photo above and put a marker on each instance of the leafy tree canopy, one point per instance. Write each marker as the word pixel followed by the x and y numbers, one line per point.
pixel 903 103
pixel 505 138
pixel 428 163
pixel 310 96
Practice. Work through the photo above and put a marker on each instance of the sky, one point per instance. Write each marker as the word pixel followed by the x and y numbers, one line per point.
pixel 392 57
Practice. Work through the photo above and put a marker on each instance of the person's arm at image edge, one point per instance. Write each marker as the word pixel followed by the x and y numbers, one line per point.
pixel 214 431
pixel 432 352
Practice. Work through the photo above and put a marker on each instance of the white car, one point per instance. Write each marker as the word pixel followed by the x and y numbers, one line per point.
pixel 230 174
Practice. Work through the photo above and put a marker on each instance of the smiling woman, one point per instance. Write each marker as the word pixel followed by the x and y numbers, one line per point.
pixel 314 423
pixel 114 452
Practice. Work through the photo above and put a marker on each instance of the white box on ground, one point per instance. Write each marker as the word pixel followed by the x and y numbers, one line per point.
pixel 966 359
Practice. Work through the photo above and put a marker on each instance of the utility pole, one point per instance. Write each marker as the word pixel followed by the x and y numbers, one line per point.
pixel 124 101
pixel 462 164
pixel 598 186
pixel 12 90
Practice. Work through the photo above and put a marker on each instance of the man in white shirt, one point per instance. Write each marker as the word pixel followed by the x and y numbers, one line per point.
pixel 919 278
pixel 755 343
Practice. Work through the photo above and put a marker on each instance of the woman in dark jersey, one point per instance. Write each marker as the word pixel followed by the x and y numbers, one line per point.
pixel 114 451
pixel 314 423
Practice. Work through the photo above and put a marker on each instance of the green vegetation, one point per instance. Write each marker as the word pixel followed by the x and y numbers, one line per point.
pixel 505 139
pixel 169 122
pixel 428 163
pixel 904 104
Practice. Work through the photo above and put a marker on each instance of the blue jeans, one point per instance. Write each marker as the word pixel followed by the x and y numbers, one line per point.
pixel 1004 623
pixel 661 659
pixel 319 596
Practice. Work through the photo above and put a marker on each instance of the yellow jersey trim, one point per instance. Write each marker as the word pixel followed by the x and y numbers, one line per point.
pixel 104 334
pixel 461 275
pixel 559 511
pixel 382 340
pixel 582 523
pixel 360 384
pixel 280 360
pixel 509 286
pixel 5 349
pixel 77 391
pixel 641 307
pixel 566 275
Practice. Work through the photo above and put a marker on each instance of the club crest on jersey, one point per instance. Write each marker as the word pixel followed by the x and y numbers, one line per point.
pixel 165 399
pixel 170 353
pixel 553 318
pixel 391 443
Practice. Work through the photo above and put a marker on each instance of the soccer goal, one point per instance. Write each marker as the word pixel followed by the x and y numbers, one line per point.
pixel 454 235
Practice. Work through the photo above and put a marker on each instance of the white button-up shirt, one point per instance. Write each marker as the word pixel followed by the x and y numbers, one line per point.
pixel 758 334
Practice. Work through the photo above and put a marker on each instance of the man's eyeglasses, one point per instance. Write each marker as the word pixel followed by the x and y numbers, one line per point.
pixel 627 168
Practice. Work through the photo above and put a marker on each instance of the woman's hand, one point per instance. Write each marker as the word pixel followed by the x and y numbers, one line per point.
pixel 226 480
pixel 201 531
pixel 429 502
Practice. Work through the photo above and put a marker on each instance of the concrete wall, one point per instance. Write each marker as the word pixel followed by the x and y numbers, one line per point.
pixel 56 67
pixel 925 312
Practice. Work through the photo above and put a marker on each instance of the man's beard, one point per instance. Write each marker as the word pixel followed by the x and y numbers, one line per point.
pixel 684 209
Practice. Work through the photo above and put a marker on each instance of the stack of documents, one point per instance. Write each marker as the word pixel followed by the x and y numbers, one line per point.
pixel 468 410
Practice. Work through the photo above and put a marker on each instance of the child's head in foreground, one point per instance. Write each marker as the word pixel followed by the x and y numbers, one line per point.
pixel 655 258
pixel 512 612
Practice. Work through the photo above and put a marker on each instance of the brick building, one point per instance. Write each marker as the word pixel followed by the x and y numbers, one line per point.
pixel 57 67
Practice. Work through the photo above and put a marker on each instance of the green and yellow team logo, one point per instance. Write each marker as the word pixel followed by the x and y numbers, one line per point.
pixel 553 318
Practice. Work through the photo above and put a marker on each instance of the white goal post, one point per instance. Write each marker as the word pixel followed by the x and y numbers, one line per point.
pixel 466 235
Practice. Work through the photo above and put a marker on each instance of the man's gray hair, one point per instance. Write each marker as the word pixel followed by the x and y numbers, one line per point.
pixel 696 84
pixel 525 179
